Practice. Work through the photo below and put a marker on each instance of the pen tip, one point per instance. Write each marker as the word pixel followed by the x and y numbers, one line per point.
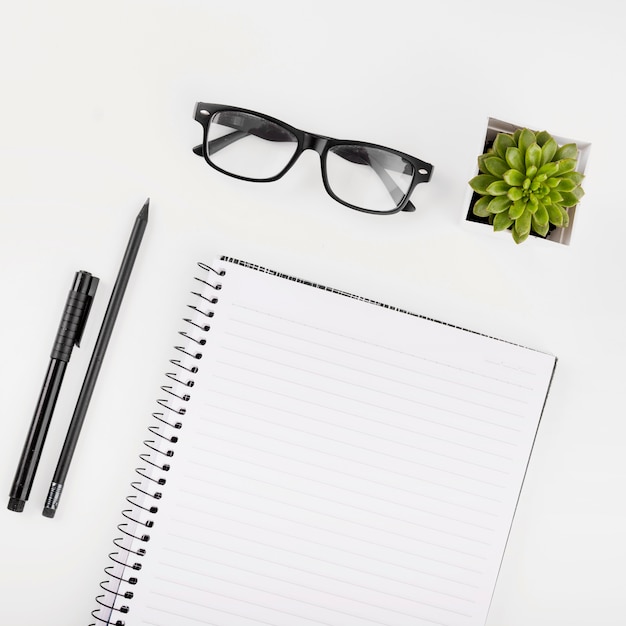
pixel 143 214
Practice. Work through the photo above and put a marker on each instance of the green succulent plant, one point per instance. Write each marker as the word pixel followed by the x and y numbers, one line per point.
pixel 526 183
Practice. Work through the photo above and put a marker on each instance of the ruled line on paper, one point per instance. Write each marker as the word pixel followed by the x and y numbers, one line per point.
pixel 179 615
pixel 388 425
pixel 252 619
pixel 421 479
pixel 325 576
pixel 299 523
pixel 370 465
pixel 411 492
pixel 208 591
pixel 377 436
pixel 202 605
pixel 369 343
pixel 300 601
pixel 326 438
pixel 334 486
pixel 313 588
pixel 342 519
pixel 309 572
pixel 393 395
pixel 404 551
pixel 195 620
pixel 377 362
pixel 258 605
pixel 512 366
pixel 371 405
pixel 206 465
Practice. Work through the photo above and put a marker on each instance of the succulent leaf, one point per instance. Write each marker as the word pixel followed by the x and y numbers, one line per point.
pixel 501 143
pixel 526 139
pixel 499 204
pixel 502 221
pixel 567 151
pixel 480 207
pixel 517 208
pixel 515 159
pixel 548 169
pixel 480 183
pixel 555 215
pixel 517 237
pixel 567 165
pixel 522 223
pixel 543 137
pixel 494 165
pixel 533 157
pixel 564 184
pixel 555 196
pixel 515 193
pixel 498 188
pixel 540 229
pixel 541 215
pixel 569 199
pixel 515 178
pixel 548 150
pixel 575 177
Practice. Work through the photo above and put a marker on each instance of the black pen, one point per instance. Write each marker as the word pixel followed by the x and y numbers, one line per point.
pixel 70 332
pixel 60 474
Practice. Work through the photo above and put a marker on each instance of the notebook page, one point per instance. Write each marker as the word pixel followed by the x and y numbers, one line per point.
pixel 340 464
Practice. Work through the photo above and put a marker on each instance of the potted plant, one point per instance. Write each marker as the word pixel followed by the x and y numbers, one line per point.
pixel 526 183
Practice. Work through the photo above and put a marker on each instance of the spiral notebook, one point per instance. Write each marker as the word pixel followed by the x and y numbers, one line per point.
pixel 319 459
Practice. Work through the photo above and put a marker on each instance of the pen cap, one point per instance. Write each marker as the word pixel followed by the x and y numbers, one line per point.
pixel 75 315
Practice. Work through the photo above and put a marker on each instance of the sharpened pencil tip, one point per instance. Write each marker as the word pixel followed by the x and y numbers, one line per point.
pixel 143 214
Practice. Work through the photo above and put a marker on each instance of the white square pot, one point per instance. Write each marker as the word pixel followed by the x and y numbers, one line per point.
pixel 495 126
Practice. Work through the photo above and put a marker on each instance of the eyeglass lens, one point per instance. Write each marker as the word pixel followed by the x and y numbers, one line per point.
pixel 248 145
pixel 368 177
pixel 253 147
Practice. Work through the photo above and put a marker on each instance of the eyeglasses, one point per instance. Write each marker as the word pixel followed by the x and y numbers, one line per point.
pixel 259 148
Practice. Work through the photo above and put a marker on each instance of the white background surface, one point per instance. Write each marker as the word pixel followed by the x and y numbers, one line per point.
pixel 96 112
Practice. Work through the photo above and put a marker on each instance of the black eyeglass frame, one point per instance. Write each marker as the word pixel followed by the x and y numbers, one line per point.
pixel 422 170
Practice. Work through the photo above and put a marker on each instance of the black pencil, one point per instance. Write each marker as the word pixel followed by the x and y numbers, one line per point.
pixel 65 458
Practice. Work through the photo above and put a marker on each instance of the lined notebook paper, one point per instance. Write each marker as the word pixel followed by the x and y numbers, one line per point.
pixel 335 462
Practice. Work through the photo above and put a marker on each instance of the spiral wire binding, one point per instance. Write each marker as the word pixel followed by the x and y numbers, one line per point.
pixel 114 603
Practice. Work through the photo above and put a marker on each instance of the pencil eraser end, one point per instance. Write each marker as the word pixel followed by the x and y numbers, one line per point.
pixel 16 505
pixel 48 512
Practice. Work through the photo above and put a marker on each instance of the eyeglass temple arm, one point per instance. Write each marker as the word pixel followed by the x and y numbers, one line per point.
pixel 269 132
pixel 215 145
pixel 396 193
pixel 393 189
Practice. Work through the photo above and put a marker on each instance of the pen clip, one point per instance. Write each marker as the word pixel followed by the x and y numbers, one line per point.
pixel 75 314
pixel 91 292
